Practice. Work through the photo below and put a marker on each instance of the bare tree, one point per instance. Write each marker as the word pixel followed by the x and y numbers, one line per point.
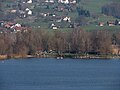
pixel 101 41
pixel 80 41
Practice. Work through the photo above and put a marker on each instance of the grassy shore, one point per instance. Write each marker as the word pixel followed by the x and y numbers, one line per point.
pixel 3 57
pixel 65 55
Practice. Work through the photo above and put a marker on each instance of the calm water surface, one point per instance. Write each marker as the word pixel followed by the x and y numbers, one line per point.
pixel 52 74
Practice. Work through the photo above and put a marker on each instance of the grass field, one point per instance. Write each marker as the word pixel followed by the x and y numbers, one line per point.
pixel 94 5
pixel 111 28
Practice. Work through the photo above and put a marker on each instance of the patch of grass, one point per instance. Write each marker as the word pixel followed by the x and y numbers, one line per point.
pixel 92 27
pixel 103 18
pixel 94 6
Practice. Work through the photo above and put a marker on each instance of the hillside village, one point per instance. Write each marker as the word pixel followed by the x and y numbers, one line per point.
pixel 20 15
pixel 24 10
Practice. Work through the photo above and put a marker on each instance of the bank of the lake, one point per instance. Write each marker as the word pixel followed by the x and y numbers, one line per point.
pixel 55 55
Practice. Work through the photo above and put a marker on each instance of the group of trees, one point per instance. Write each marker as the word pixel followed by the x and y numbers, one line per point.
pixel 112 10
pixel 75 41
pixel 83 12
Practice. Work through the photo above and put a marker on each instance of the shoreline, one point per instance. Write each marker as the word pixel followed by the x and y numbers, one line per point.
pixel 62 56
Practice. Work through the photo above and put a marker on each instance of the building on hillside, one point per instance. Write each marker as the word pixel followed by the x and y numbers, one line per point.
pixel 49 1
pixel 63 1
pixel 73 1
pixel 29 1
pixel 29 12
pixel 53 26
pixel 111 23
pixel 13 11
pixel 67 1
pixel 118 22
pixel 67 19
pixel 101 24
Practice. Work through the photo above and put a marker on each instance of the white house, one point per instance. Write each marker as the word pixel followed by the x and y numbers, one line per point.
pixel 67 19
pixel 50 1
pixel 29 12
pixel 27 9
pixel 63 1
pixel 53 26
pixel 30 1
pixel 67 1
pixel 73 1
pixel 119 23
pixel 17 25
pixel 13 11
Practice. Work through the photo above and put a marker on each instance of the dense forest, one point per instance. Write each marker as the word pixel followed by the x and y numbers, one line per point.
pixel 112 10
pixel 74 41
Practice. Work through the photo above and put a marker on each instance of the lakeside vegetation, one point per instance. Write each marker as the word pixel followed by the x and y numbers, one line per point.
pixel 87 28
pixel 76 42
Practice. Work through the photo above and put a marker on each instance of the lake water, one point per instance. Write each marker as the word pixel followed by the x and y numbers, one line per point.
pixel 53 74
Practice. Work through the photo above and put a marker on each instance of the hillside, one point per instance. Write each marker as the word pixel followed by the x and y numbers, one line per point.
pixel 43 14
pixel 94 6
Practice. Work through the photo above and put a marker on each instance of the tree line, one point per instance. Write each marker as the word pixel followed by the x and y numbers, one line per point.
pixel 83 12
pixel 112 9
pixel 74 41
